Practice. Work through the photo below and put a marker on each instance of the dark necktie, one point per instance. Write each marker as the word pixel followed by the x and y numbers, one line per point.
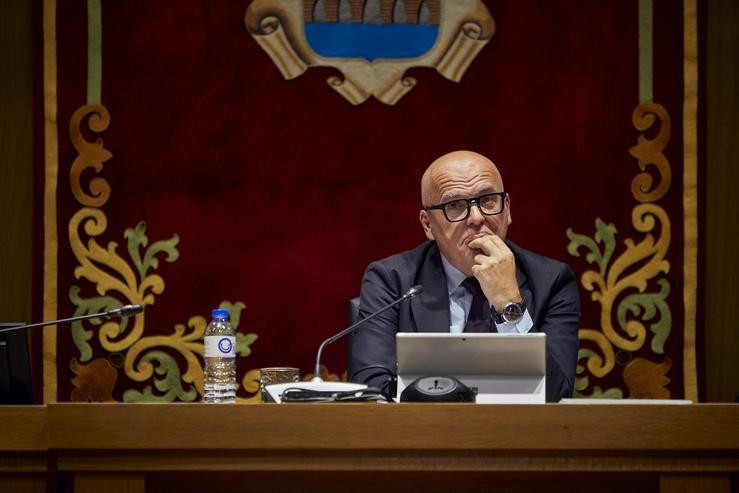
pixel 478 319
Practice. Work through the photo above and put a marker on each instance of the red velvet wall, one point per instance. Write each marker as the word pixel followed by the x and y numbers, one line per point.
pixel 281 191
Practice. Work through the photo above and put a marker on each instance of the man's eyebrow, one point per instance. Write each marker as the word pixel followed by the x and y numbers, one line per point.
pixel 450 197
pixel 456 195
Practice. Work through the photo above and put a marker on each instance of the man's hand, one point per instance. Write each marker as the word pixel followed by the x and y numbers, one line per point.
pixel 495 269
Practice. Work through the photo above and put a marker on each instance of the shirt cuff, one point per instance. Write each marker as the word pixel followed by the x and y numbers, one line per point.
pixel 522 327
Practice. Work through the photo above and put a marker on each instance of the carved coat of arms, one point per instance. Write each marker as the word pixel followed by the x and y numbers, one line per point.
pixel 372 42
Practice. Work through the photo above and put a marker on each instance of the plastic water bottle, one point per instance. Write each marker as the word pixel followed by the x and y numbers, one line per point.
pixel 220 360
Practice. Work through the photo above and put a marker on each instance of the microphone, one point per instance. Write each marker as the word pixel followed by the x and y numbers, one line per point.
pixel 317 389
pixel 415 290
pixel 124 311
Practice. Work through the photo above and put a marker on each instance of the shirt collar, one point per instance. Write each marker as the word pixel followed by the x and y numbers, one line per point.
pixel 454 276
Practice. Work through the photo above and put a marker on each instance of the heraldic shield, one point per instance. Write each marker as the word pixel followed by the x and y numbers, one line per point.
pixel 371 42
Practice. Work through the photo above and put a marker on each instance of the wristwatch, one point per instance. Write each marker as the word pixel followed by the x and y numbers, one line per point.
pixel 512 313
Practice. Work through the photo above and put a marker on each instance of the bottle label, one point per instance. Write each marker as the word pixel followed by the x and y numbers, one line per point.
pixel 221 386
pixel 220 347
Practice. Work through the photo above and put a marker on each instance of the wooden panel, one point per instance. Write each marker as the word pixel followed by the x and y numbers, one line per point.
pixel 196 447
pixel 23 428
pixel 23 484
pixel 16 155
pixel 25 462
pixel 312 458
pixel 23 442
pixel 405 427
pixel 428 482
pixel 722 203
pixel 695 483
pixel 109 483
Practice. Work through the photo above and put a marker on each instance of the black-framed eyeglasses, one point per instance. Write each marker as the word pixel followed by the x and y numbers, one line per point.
pixel 456 210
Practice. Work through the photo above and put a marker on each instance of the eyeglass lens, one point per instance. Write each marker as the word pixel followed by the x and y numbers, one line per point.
pixel 457 210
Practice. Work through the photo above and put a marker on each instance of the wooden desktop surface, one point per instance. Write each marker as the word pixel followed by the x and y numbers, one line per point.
pixel 154 447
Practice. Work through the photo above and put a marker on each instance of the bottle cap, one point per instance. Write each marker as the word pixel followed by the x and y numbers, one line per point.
pixel 219 313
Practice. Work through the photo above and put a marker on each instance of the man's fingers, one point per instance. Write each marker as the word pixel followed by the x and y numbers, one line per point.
pixel 491 246
pixel 483 244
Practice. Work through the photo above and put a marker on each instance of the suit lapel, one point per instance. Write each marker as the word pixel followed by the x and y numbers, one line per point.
pixel 430 310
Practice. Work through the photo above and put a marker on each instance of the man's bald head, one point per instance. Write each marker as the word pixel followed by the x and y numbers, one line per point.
pixel 443 172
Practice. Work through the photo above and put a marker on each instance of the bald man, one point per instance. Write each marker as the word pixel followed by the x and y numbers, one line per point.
pixel 474 279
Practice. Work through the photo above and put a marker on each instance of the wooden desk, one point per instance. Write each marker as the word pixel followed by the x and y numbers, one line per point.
pixel 372 447
pixel 23 449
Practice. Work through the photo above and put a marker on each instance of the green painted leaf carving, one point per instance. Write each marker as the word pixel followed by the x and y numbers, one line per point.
pixel 244 342
pixel 605 234
pixel 612 393
pixel 645 307
pixel 85 306
pixel 582 382
pixel 234 311
pixel 170 386
pixel 137 239
pixel 583 354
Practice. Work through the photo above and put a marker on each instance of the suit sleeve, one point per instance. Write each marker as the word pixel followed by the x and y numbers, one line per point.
pixel 372 353
pixel 560 321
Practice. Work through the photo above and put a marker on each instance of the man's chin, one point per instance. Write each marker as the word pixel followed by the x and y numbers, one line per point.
pixel 469 260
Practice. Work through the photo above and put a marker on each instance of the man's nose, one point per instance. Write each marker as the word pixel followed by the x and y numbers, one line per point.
pixel 476 216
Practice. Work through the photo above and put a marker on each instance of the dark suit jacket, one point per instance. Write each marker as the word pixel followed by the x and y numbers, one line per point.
pixel 548 286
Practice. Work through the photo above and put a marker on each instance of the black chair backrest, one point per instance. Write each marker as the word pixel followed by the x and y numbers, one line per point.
pixel 353 311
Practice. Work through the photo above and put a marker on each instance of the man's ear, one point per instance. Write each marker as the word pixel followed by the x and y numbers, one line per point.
pixel 423 216
pixel 508 208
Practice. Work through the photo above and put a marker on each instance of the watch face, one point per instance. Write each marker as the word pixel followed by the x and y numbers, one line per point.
pixel 435 385
pixel 512 312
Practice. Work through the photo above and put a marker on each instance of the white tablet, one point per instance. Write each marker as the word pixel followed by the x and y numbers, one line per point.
pixel 503 368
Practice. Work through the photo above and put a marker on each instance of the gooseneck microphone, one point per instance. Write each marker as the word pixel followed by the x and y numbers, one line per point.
pixel 124 311
pixel 319 391
pixel 415 290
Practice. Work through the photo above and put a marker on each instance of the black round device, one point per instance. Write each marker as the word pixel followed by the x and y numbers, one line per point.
pixel 437 389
